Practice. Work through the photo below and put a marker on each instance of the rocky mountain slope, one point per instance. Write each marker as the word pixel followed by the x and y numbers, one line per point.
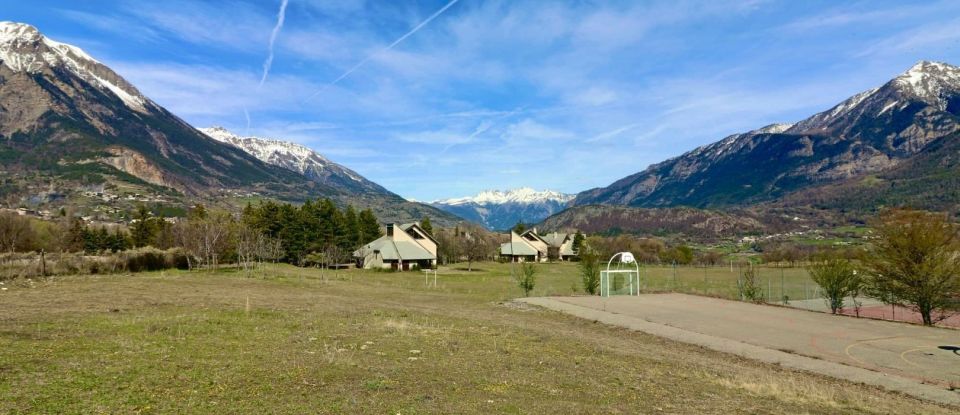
pixel 63 114
pixel 873 132
pixel 300 159
pixel 500 210
pixel 352 187
pixel 68 121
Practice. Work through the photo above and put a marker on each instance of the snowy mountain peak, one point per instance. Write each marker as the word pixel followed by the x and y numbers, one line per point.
pixel 298 158
pixel 776 128
pixel 24 49
pixel 524 195
pixel 293 156
pixel 22 33
pixel 501 209
pixel 928 80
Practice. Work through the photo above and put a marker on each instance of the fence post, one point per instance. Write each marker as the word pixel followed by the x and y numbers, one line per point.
pixel 783 294
pixel 43 264
pixel 769 293
pixel 674 275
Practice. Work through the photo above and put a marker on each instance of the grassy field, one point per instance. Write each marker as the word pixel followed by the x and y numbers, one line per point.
pixel 294 340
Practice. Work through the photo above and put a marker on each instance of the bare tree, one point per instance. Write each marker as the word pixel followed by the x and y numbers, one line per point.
pixel 214 237
pixel 247 240
pixel 448 246
pixel 14 231
pixel 476 248
pixel 187 236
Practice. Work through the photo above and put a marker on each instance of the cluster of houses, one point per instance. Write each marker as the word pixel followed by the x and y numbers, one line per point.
pixel 409 246
pixel 533 247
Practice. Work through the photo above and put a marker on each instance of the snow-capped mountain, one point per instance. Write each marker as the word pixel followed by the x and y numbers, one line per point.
pixel 24 49
pixel 298 158
pixel 498 210
pixel 871 132
pixel 64 114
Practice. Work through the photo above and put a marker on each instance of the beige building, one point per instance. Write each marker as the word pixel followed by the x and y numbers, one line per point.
pixel 532 247
pixel 402 248
pixel 559 246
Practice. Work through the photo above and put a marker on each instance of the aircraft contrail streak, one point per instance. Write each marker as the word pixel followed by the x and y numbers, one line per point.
pixel 273 38
pixel 390 46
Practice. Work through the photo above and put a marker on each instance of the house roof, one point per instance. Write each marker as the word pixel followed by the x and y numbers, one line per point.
pixel 517 249
pixel 394 250
pixel 555 239
pixel 533 233
pixel 406 226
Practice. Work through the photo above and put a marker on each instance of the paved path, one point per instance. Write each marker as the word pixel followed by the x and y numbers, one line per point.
pixel 896 356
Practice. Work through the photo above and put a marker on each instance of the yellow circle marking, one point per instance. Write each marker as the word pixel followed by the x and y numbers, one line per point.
pixel 850 346
pixel 903 356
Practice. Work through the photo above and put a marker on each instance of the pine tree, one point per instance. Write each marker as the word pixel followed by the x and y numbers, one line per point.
pixel 351 230
pixel 426 225
pixel 118 241
pixel 76 235
pixel 143 228
pixel 369 227
pixel 578 243
pixel 520 227
pixel 198 212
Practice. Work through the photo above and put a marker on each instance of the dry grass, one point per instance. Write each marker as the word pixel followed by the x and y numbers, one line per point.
pixel 288 342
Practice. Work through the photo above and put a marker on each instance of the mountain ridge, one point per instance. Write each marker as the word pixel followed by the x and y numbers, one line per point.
pixel 870 132
pixel 502 209
pixel 68 121
pixel 298 158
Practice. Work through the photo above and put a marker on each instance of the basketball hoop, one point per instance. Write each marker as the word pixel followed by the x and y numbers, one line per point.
pixel 622 276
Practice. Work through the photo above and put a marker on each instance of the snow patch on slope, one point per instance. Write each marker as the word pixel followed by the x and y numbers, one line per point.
pixel 523 195
pixel 293 156
pixel 927 80
pixel 24 49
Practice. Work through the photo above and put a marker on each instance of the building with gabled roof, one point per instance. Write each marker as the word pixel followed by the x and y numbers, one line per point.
pixel 559 246
pixel 525 247
pixel 530 246
pixel 403 247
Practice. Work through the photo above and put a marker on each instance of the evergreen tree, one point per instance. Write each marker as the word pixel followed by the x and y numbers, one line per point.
pixel 520 227
pixel 369 227
pixel 198 212
pixel 118 241
pixel 76 235
pixel 426 225
pixel 578 243
pixel 351 230
pixel 143 228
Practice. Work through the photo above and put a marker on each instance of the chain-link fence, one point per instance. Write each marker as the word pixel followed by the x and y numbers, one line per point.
pixel 776 284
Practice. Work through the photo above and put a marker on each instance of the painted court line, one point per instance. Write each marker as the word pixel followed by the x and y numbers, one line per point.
pixel 763 354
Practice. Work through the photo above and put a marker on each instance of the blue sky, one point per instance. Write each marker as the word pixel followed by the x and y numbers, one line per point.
pixel 500 94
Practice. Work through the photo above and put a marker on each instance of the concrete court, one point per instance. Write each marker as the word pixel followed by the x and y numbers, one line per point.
pixel 910 353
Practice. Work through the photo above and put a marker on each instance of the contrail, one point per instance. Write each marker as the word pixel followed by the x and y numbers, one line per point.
pixel 246 114
pixel 273 38
pixel 390 46
pixel 484 126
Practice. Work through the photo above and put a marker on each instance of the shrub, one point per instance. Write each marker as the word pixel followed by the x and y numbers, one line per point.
pixel 749 286
pixel 838 279
pixel 527 278
pixel 590 271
